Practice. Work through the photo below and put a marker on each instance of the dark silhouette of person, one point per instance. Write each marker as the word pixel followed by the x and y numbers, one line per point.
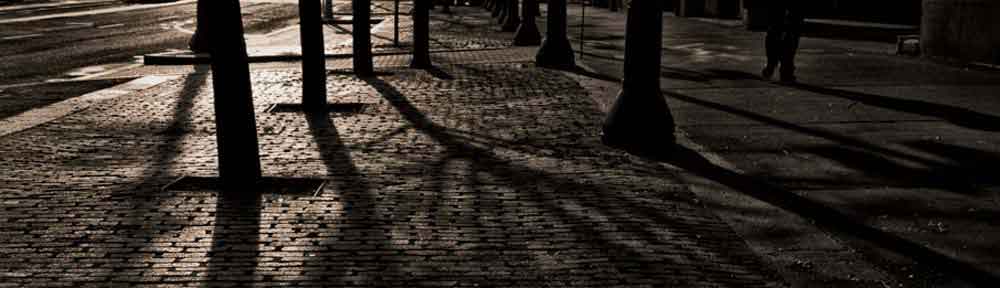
pixel 784 26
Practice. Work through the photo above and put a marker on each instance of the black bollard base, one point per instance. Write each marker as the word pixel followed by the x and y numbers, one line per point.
pixel 421 63
pixel 527 35
pixel 639 122
pixel 510 24
pixel 556 53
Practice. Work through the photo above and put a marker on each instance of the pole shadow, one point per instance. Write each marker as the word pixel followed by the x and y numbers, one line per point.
pixel 361 213
pixel 961 117
pixel 956 115
pixel 692 161
pixel 233 257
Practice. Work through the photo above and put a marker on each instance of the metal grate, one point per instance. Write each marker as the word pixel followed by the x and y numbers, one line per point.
pixel 337 108
pixel 266 185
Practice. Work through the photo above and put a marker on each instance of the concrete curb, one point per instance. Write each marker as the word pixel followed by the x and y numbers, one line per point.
pixel 190 58
pixel 42 115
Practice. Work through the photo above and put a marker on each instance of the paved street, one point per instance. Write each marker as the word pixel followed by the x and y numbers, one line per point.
pixel 68 39
pixel 873 171
pixel 55 50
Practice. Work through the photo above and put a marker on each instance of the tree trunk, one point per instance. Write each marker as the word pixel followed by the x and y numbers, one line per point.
pixel 236 132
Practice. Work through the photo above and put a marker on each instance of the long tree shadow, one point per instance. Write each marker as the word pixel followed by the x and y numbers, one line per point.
pixel 359 204
pixel 977 166
pixel 234 253
pixel 586 210
pixel 817 132
pixel 141 198
pixel 692 161
pixel 956 115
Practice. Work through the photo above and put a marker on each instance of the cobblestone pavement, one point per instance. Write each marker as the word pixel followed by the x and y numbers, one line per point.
pixel 465 29
pixel 466 175
pixel 460 30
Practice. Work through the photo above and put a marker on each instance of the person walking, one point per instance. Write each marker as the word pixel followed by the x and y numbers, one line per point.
pixel 784 26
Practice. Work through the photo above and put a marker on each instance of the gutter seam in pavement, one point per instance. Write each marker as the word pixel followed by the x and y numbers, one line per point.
pixel 38 116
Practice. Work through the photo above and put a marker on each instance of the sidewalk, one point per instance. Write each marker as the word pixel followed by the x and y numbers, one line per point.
pixel 875 171
pixel 485 171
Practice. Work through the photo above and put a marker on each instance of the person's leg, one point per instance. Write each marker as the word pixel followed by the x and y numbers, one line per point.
pixel 773 41
pixel 793 24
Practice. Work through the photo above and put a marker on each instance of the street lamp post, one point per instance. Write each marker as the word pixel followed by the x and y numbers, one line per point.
pixel 640 118
pixel 497 8
pixel 199 41
pixel 446 6
pixel 328 10
pixel 556 51
pixel 236 132
pixel 395 23
pixel 363 66
pixel 527 34
pixel 504 12
pixel 421 34
pixel 512 20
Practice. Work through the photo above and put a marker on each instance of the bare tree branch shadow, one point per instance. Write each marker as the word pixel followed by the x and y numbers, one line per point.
pixel 816 132
pixel 537 186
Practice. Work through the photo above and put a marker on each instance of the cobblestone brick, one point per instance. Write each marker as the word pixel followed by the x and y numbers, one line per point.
pixel 486 171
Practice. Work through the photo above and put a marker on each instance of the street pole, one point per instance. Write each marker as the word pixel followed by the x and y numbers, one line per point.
pixel 327 10
pixel 363 66
pixel 313 56
pixel 512 20
pixel 236 132
pixel 395 24
pixel 504 13
pixel 583 23
pixel 498 8
pixel 556 51
pixel 640 118
pixel 199 41
pixel 527 33
pixel 421 34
